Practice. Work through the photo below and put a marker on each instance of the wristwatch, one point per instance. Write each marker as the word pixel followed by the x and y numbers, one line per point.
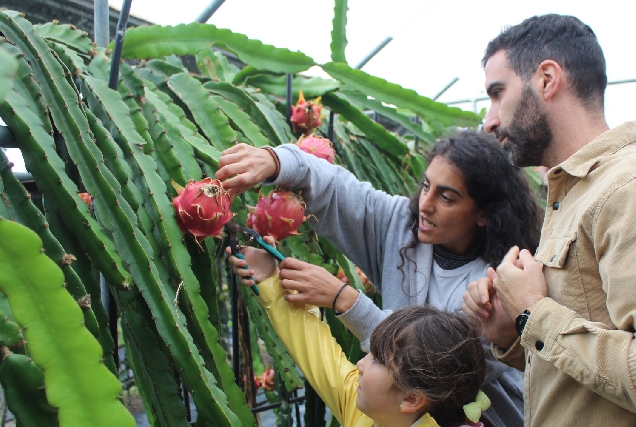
pixel 520 322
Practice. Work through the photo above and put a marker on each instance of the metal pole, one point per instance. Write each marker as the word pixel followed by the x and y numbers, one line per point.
pixel 119 44
pixel 112 83
pixel 330 128
pixel 374 52
pixel 236 365
pixel 248 344
pixel 209 11
pixel 258 409
pixel 111 308
pixel 289 98
pixel 7 140
pixel 186 401
pixel 101 23
pixel 298 422
pixel 445 88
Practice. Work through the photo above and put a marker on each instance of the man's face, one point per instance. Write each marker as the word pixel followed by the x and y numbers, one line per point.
pixel 515 115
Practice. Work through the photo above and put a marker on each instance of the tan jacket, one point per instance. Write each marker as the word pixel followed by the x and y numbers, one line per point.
pixel 580 352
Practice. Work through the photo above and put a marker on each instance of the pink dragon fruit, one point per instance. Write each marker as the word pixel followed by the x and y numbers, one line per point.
pixel 279 214
pixel 202 208
pixel 318 146
pixel 267 380
pixel 86 198
pixel 306 115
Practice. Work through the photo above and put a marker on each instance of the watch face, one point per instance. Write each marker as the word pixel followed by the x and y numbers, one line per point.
pixel 520 322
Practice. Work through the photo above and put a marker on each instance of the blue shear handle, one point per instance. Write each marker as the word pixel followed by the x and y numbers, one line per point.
pixel 270 249
pixel 254 287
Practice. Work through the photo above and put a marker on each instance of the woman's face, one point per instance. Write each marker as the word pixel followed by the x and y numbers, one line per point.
pixel 448 216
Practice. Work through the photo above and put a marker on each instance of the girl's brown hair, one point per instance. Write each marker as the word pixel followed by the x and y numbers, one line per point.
pixel 433 353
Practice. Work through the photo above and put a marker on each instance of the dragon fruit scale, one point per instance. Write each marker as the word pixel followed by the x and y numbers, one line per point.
pixel 318 146
pixel 202 208
pixel 279 214
pixel 305 116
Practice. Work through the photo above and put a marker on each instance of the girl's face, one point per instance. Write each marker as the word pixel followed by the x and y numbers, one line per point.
pixel 448 216
pixel 377 395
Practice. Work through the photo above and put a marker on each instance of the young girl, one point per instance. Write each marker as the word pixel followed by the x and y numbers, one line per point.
pixel 424 367
pixel 473 205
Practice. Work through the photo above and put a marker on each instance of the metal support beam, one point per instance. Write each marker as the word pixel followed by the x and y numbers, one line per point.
pixel 209 11
pixel 236 364
pixel 445 88
pixel 374 52
pixel 288 93
pixel 119 44
pixel 101 23
pixel 7 139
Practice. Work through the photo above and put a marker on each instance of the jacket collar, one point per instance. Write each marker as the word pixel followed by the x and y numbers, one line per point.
pixel 609 142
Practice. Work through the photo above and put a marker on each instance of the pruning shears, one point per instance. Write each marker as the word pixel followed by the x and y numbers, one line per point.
pixel 233 230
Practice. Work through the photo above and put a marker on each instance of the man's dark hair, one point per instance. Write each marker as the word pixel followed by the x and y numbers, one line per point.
pixel 564 39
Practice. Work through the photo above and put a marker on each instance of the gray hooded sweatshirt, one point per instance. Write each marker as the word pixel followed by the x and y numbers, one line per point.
pixel 369 227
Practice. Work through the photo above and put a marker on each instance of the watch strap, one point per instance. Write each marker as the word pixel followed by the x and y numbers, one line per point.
pixel 520 322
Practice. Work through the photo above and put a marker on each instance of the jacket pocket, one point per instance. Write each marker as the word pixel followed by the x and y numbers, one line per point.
pixel 554 250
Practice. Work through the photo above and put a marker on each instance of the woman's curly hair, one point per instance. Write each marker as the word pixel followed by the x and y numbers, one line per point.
pixel 513 217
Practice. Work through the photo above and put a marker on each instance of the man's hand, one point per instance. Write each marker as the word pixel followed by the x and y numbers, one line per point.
pixel 243 166
pixel 315 286
pixel 481 300
pixel 519 282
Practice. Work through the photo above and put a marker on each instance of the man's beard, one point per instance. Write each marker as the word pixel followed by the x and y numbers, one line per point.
pixel 529 134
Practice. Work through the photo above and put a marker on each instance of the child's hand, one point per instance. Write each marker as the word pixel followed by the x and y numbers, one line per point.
pixel 261 264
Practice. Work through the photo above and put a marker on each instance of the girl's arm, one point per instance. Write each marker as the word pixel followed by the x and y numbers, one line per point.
pixel 315 351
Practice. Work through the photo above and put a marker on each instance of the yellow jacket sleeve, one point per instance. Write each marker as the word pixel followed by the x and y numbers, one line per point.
pixel 315 351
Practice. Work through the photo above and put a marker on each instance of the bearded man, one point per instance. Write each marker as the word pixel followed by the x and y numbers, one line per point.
pixel 574 303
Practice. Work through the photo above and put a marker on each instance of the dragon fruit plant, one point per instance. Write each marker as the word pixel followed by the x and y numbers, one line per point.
pixel 122 148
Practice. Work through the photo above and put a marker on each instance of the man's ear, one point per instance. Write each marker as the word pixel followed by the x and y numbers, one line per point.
pixel 550 77
pixel 413 403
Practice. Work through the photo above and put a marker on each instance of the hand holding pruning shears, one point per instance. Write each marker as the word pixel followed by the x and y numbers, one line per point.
pixel 265 266
pixel 312 284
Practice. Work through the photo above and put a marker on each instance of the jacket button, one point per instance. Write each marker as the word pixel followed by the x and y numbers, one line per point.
pixel 555 206
pixel 539 345
pixel 553 257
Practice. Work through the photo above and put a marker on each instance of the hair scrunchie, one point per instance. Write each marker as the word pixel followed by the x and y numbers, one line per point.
pixel 474 409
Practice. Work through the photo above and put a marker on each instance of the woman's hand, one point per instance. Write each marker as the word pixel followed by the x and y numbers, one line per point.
pixel 261 264
pixel 243 166
pixel 315 286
